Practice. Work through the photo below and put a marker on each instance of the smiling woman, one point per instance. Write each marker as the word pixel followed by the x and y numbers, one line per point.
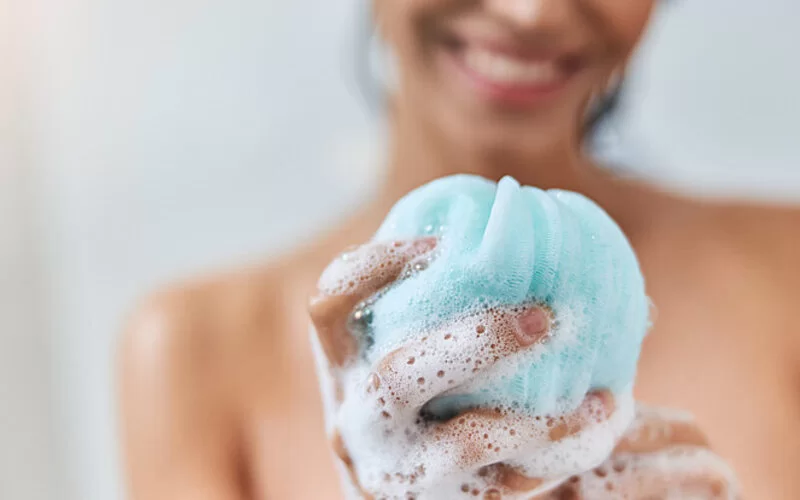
pixel 219 397
pixel 494 83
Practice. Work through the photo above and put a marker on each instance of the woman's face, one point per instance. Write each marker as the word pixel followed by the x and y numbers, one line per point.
pixel 512 75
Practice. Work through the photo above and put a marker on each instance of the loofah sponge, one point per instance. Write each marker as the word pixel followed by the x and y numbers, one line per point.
pixel 504 245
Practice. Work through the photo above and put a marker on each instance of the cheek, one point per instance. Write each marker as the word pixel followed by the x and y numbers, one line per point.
pixel 624 20
pixel 396 19
pixel 407 25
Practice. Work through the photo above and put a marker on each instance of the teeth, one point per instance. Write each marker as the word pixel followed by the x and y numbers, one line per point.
pixel 501 68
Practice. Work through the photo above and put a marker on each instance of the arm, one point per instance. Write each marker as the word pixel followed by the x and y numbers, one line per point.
pixel 179 434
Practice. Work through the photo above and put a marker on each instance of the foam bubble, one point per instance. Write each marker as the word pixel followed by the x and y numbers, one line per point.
pixel 677 473
pixel 395 452
pixel 504 245
pixel 485 360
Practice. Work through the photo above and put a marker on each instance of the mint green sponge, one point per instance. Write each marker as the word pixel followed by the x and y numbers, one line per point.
pixel 504 245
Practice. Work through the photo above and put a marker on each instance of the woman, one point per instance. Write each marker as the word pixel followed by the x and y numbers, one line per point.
pixel 219 395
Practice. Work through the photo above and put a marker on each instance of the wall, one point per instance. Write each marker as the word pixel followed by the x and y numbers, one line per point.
pixel 29 458
pixel 174 137
pixel 715 104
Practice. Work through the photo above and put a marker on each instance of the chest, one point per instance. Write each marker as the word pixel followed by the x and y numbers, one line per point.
pixel 288 444
pixel 723 346
pixel 291 459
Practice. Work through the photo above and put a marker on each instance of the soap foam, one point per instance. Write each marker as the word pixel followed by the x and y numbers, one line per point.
pixel 499 246
pixel 397 454
pixel 442 341
pixel 677 473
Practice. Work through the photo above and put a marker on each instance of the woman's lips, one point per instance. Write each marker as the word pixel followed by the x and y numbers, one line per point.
pixel 501 75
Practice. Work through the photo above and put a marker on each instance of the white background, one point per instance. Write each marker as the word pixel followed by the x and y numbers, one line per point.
pixel 141 141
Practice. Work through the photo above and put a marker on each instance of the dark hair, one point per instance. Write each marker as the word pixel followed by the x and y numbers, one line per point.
pixel 605 108
pixel 373 93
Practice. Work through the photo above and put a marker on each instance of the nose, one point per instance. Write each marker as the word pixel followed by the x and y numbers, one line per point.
pixel 526 14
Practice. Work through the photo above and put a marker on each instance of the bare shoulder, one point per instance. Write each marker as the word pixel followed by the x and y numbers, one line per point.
pixel 208 325
pixel 192 359
pixel 763 243
pixel 740 260
pixel 219 336
pixel 768 238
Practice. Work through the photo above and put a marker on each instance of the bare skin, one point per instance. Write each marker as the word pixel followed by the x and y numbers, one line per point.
pixel 247 420
pixel 219 395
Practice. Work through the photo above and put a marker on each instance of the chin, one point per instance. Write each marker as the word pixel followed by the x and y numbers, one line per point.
pixel 507 140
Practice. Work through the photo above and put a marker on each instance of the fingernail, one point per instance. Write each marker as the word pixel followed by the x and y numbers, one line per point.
pixel 533 325
pixel 605 400
pixel 373 382
pixel 424 244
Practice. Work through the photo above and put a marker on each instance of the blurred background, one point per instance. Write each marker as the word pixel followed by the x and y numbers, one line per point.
pixel 142 141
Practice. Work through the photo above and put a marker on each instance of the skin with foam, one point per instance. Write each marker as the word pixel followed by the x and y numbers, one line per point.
pixel 501 250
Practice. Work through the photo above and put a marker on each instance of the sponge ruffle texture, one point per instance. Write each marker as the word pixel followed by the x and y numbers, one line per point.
pixel 503 245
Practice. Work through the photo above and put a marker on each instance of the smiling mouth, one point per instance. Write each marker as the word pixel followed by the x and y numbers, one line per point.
pixel 510 75
pixel 503 69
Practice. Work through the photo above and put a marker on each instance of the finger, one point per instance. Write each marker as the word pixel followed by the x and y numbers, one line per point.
pixel 366 269
pixel 483 438
pixel 597 407
pixel 679 464
pixel 350 279
pixel 340 450
pixel 411 376
pixel 329 317
pixel 499 481
pixel 654 430
pixel 683 472
pixel 510 479
pixel 570 490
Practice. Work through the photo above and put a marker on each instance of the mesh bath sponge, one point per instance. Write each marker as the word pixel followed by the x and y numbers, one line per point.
pixel 504 245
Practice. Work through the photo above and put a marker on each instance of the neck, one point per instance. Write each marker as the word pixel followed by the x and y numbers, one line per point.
pixel 419 155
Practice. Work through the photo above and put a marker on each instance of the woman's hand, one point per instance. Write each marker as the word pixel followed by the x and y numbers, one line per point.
pixel 469 454
pixel 663 455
